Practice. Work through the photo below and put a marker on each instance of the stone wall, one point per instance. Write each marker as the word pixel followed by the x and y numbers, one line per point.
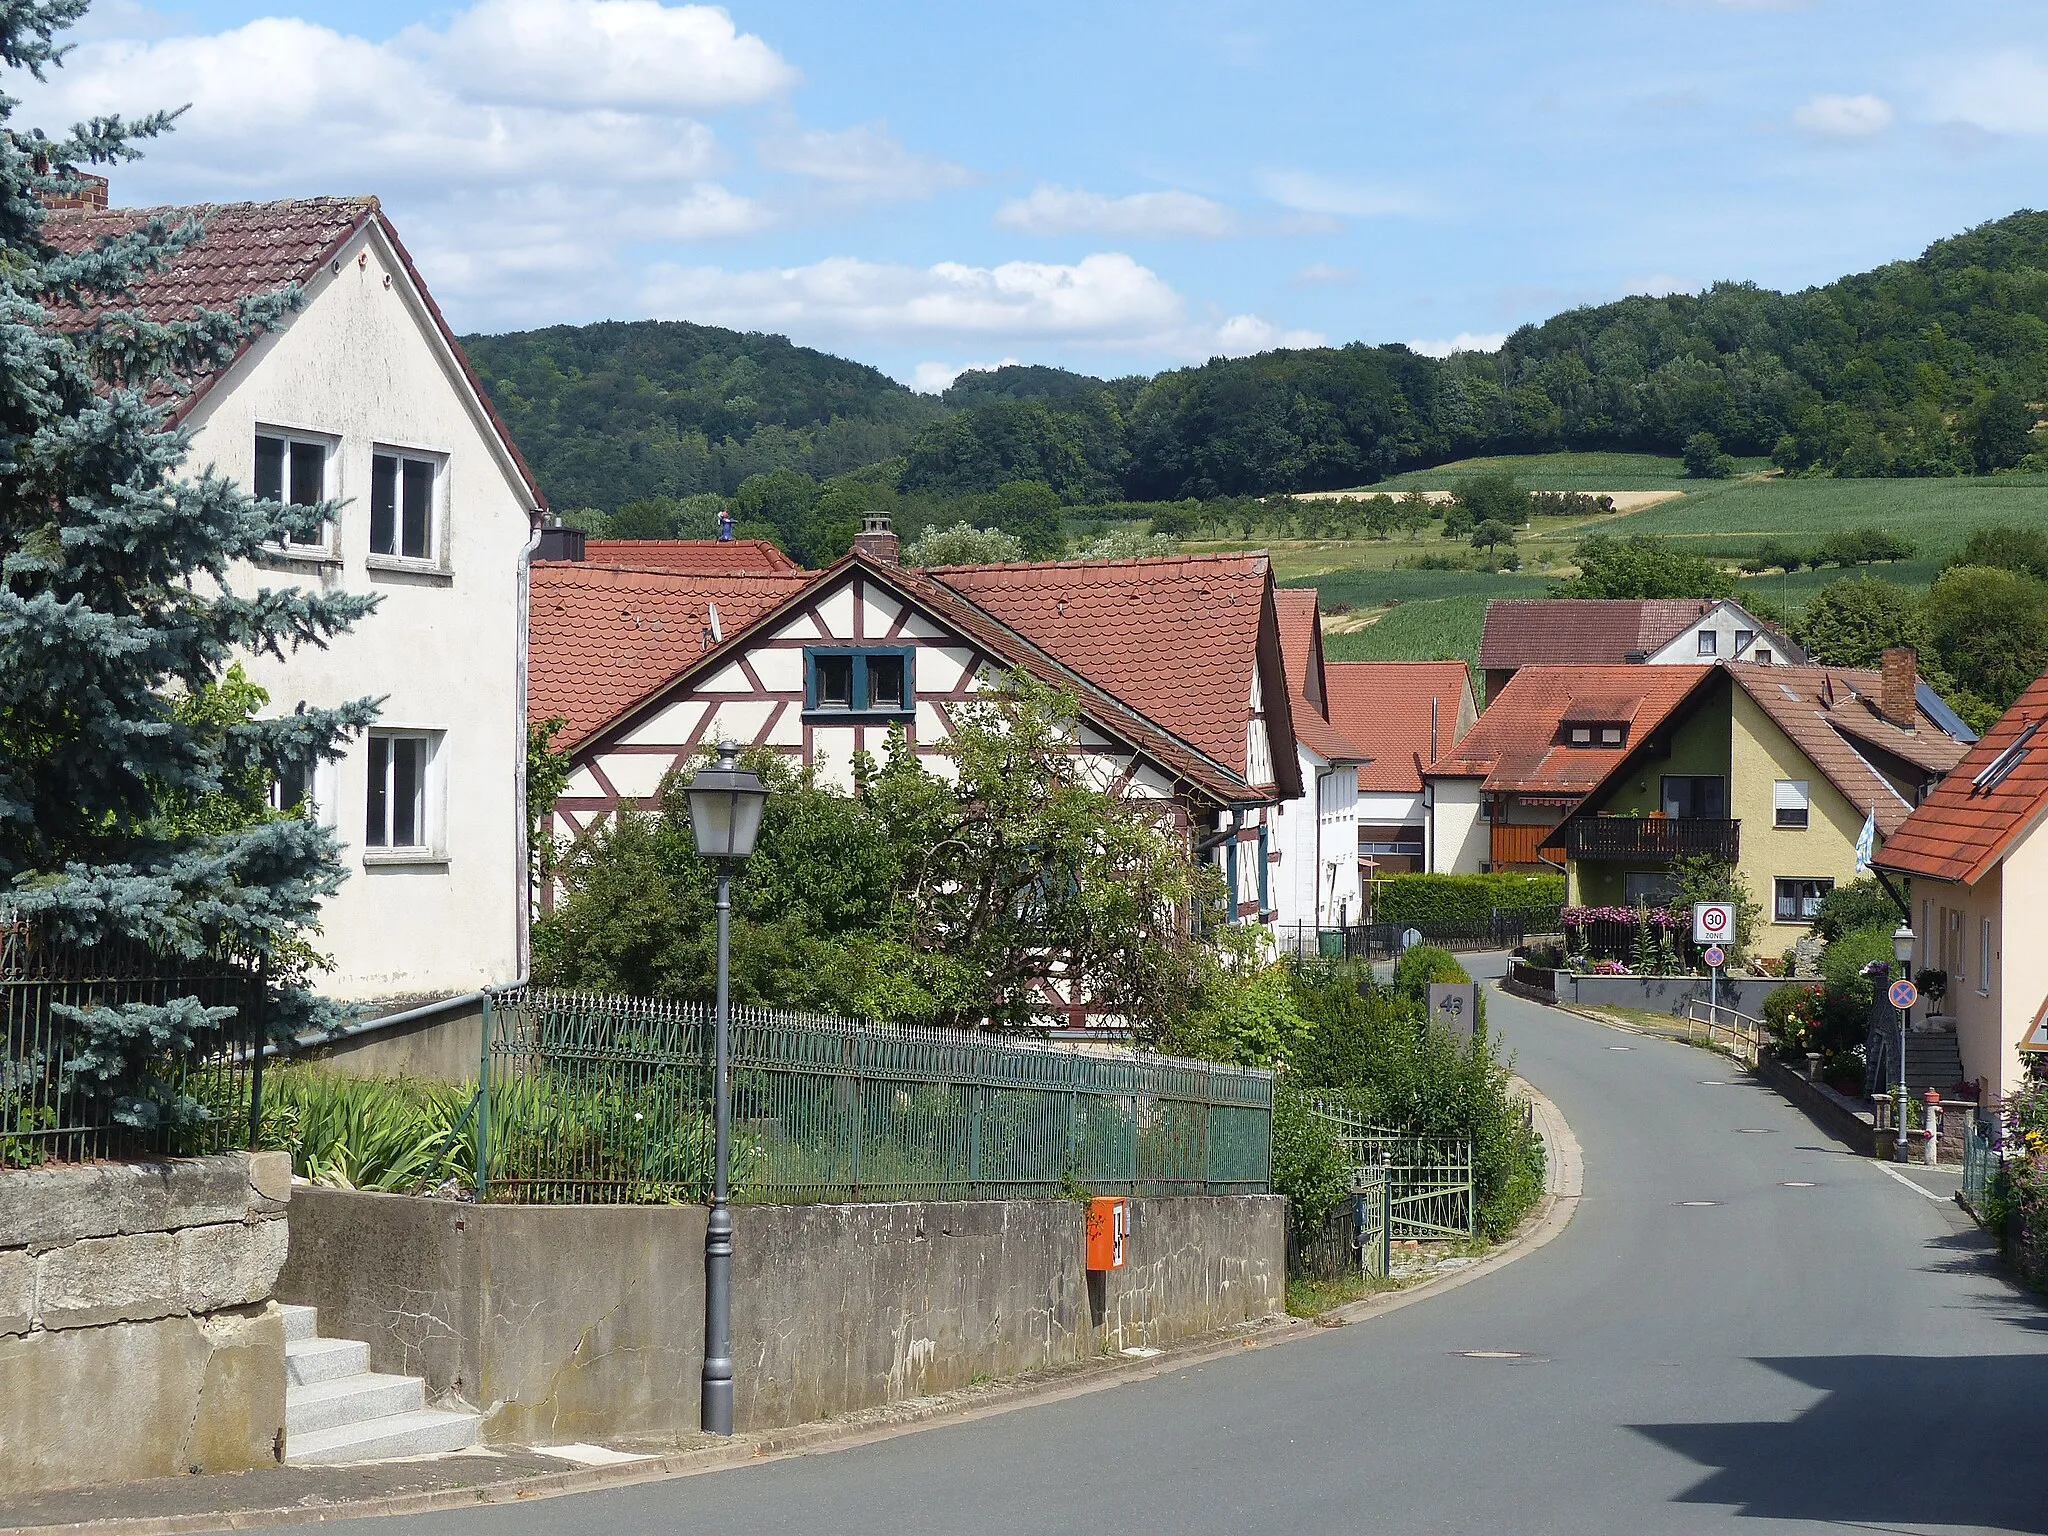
pixel 1668 994
pixel 137 1334
pixel 582 1322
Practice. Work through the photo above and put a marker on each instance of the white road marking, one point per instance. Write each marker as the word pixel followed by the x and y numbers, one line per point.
pixel 1893 1173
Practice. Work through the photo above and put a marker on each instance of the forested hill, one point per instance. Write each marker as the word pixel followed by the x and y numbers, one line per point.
pixel 1934 366
pixel 619 412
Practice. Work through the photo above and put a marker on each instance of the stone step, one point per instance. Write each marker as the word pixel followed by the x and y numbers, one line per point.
pixel 350 1400
pixel 300 1322
pixel 309 1360
pixel 423 1432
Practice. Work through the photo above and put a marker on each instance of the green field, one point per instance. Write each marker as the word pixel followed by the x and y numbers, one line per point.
pixel 1425 614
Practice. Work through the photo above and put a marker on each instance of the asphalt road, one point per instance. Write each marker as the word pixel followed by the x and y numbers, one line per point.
pixel 1819 1347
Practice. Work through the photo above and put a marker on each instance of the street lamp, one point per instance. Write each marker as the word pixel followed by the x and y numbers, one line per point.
pixel 1902 949
pixel 726 803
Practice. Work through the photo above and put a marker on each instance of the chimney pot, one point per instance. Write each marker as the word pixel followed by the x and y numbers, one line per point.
pixel 90 191
pixel 877 540
pixel 1899 685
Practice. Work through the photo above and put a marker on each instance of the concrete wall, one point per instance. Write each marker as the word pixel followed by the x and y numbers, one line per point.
pixel 361 367
pixel 1460 842
pixel 440 1049
pixel 137 1334
pixel 1668 994
pixel 576 1322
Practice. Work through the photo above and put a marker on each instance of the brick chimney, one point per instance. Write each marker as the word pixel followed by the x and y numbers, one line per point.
pixel 91 191
pixel 1901 682
pixel 877 540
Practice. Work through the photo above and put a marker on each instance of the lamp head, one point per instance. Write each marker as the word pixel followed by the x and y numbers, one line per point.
pixel 1902 945
pixel 726 802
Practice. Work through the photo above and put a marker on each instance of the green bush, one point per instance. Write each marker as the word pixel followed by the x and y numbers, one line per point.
pixel 1793 1020
pixel 1860 904
pixel 1461 898
pixel 1309 1165
pixel 1420 966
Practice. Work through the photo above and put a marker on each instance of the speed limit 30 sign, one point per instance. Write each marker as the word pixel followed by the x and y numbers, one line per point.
pixel 1712 921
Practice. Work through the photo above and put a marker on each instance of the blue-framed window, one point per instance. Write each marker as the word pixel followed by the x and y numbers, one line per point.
pixel 868 680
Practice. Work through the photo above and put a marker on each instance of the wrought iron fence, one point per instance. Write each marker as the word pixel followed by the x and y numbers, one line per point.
pixel 47 1114
pixel 1980 1163
pixel 1504 928
pixel 1373 1221
pixel 1429 1182
pixel 590 1100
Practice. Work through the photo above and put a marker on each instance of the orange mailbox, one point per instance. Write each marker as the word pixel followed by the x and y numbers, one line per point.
pixel 1109 1223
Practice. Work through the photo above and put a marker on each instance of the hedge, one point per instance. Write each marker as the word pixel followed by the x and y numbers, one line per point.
pixel 1460 898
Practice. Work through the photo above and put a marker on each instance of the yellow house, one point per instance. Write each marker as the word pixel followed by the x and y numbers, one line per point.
pixel 1773 768
pixel 1977 858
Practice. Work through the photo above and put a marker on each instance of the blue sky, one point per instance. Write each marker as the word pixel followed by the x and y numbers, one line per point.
pixel 1111 187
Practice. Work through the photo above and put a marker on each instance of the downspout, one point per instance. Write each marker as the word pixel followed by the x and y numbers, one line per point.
pixel 522 850
pixel 1316 896
pixel 1230 862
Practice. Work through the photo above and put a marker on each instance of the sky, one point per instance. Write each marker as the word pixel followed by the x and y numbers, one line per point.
pixel 1112 187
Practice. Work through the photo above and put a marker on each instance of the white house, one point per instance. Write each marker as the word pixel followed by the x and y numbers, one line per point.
pixel 363 396
pixel 1402 715
pixel 1315 837
pixel 1523 632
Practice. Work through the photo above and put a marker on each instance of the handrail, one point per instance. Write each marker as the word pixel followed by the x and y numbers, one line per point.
pixel 1747 1032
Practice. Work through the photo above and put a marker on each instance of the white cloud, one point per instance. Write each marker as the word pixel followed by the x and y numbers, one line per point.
pixel 1464 341
pixel 864 163
pixel 1845 117
pixel 1056 210
pixel 1308 192
pixel 1321 274
pixel 2004 92
pixel 937 378
pixel 1242 335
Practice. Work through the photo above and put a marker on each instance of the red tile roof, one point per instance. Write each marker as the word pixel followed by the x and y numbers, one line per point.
pixel 1301 644
pixel 1176 638
pixel 248 250
pixel 1516 745
pixel 1524 632
pixel 1822 708
pixel 599 639
pixel 1960 832
pixel 1384 706
pixel 695 557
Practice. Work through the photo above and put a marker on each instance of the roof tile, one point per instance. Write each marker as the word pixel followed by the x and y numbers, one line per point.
pixel 1516 746
pixel 1385 708
pixel 695 557
pixel 1960 832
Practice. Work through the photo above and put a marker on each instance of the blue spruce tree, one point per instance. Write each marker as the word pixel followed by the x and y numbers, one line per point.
pixel 126 591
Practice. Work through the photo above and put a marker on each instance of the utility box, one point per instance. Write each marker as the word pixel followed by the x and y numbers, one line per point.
pixel 1109 1223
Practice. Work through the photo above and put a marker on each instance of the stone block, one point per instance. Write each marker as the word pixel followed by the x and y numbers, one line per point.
pixel 140 1400
pixel 270 1182
pixel 229 1265
pixel 205 1191
pixel 47 1207
pixel 17 1291
pixel 108 1279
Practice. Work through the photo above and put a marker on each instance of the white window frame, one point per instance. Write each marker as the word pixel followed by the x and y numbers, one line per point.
pixel 322 547
pixel 435 560
pixel 321 792
pixel 1792 797
pixel 430 846
pixel 1777 894
pixel 1984 958
pixel 1709 642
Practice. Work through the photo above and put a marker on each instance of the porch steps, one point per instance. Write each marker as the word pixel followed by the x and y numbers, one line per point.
pixel 337 1409
pixel 1933 1060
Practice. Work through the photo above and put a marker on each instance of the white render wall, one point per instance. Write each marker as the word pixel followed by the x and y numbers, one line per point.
pixel 1310 834
pixel 1462 841
pixel 362 364
pixel 1723 622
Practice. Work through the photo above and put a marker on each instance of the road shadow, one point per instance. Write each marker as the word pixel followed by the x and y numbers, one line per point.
pixel 1894 1440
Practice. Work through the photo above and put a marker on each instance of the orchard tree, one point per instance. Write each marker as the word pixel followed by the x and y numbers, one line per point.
pixel 1641 566
pixel 125 596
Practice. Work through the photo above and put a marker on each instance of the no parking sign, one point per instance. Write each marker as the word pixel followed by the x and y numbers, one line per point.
pixel 1712 921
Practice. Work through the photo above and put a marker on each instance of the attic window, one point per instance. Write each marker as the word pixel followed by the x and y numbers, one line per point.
pixel 1610 735
pixel 1602 734
pixel 292 468
pixel 1710 642
pixel 859 681
pixel 1996 770
pixel 1582 735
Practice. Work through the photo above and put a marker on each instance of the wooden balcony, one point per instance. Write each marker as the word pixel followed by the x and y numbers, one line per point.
pixel 1514 845
pixel 1652 838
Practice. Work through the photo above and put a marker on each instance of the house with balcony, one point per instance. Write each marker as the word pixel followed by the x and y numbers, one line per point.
pixel 1771 768
pixel 1402 715
pixel 1685 631
pixel 1977 857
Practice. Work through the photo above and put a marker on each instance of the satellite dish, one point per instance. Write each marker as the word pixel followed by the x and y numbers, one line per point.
pixel 717 629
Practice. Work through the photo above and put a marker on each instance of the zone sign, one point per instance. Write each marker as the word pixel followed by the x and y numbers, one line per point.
pixel 1712 921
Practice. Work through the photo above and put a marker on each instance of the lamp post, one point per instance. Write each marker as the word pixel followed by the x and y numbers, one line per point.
pixel 726 803
pixel 1902 950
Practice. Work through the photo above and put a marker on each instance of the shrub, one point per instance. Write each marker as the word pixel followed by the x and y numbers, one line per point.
pixel 1421 965
pixel 1461 898
pixel 1792 1018
pixel 1309 1165
pixel 1862 904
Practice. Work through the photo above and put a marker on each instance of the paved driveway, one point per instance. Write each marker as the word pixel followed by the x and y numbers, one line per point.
pixel 1744 1328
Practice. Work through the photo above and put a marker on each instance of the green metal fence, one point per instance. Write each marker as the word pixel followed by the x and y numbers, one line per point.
pixel 1429 1182
pixel 1980 1164
pixel 589 1099
pixel 1370 1189
pixel 44 1114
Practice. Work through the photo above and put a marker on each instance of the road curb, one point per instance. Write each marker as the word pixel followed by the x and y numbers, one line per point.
pixel 1564 1175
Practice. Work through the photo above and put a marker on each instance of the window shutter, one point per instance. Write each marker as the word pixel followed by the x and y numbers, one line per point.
pixel 1791 795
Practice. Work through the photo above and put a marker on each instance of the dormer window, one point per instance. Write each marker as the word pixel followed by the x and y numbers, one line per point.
pixel 1582 735
pixel 1601 734
pixel 1610 735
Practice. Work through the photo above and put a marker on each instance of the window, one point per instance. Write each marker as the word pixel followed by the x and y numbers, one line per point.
pixel 292 788
pixel 1798 901
pixel 1791 802
pixel 1648 887
pixel 1763 656
pixel 1743 640
pixel 860 682
pixel 1693 797
pixel 1582 735
pixel 1610 735
pixel 1710 643
pixel 293 469
pixel 398 814
pixel 1984 958
pixel 402 507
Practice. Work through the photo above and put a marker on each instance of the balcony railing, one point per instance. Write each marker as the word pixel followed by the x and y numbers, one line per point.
pixel 1652 837
pixel 1517 844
